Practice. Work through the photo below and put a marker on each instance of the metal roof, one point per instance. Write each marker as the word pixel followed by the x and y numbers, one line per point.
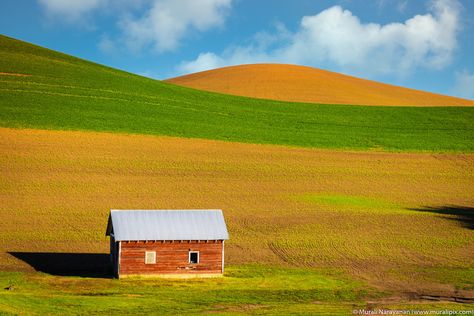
pixel 167 225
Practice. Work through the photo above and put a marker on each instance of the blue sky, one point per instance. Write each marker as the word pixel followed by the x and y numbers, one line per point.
pixel 425 45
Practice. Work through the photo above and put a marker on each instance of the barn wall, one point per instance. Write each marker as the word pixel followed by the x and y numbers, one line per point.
pixel 171 257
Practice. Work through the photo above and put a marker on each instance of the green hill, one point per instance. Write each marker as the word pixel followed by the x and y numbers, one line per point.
pixel 63 92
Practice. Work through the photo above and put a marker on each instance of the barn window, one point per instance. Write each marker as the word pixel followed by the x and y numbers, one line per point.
pixel 194 257
pixel 150 257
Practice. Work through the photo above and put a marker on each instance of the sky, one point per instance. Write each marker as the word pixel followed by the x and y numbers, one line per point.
pixel 422 44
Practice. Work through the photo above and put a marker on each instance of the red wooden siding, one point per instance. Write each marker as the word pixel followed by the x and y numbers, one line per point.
pixel 171 257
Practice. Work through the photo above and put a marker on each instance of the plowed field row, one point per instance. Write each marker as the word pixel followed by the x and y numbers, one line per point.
pixel 366 212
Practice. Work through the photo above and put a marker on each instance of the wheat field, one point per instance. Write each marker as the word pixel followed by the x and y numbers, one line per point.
pixel 311 85
pixel 370 213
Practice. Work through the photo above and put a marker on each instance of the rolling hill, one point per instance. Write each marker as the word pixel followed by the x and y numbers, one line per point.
pixel 313 231
pixel 306 84
pixel 45 89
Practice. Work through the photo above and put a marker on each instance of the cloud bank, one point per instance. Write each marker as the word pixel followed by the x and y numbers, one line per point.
pixel 71 11
pixel 338 37
pixel 160 24
pixel 168 21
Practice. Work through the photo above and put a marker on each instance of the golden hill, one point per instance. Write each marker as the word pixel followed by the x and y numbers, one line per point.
pixel 307 84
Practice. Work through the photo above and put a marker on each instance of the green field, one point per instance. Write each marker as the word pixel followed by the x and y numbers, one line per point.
pixel 63 92
pixel 250 289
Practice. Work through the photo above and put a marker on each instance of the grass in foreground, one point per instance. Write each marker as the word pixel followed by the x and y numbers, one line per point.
pixel 66 93
pixel 245 289
pixel 249 289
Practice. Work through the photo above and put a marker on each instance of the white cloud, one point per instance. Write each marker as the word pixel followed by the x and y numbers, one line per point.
pixel 72 10
pixel 168 21
pixel 161 24
pixel 107 46
pixel 464 86
pixel 254 53
pixel 400 5
pixel 337 36
pixel 202 62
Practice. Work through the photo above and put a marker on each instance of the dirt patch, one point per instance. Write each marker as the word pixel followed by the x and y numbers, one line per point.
pixel 13 74
pixel 440 298
pixel 234 308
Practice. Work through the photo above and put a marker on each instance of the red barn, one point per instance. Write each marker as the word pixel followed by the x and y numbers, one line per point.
pixel 176 243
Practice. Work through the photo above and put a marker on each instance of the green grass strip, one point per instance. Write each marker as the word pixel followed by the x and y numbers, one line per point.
pixel 66 93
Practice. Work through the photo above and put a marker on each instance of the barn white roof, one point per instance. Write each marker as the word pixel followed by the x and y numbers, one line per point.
pixel 167 225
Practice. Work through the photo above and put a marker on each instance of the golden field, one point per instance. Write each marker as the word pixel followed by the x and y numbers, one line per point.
pixel 394 220
pixel 311 85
